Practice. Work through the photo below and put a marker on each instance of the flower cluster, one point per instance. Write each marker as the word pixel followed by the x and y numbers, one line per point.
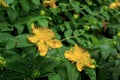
pixel 44 38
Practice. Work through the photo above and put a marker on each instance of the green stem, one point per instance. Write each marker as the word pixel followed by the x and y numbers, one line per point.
pixel 70 37
pixel 57 58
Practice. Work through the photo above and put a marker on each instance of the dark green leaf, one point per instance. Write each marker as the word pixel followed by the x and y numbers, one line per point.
pixel 75 5
pixel 36 2
pixel 91 73
pixel 73 74
pixel 5 37
pixel 20 28
pixel 12 14
pixel 9 1
pixel 18 41
pixel 105 50
pixel 43 22
pixel 25 5
pixel 54 76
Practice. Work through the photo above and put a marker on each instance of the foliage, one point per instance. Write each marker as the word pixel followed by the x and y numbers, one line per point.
pixel 90 23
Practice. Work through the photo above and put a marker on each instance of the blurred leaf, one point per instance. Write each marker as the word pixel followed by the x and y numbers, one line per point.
pixel 62 73
pixel 102 74
pixel 75 5
pixel 63 6
pixel 73 74
pixel 43 22
pixel 20 28
pixel 87 9
pixel 18 41
pixel 5 37
pixel 118 46
pixel 55 11
pixel 36 2
pixel 105 50
pixel 94 40
pixel 54 76
pixel 25 5
pixel 14 61
pixel 12 14
pixel 9 1
pixel 1 15
pixel 68 34
pixel 67 25
pixel 91 73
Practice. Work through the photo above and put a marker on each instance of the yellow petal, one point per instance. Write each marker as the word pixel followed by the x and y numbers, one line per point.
pixel 78 51
pixel 70 56
pixel 52 4
pixel 49 3
pixel 42 48
pixel 46 3
pixel 32 39
pixel 112 5
pixel 54 43
pixel 35 30
pixel 80 66
pixel 3 2
pixel 90 63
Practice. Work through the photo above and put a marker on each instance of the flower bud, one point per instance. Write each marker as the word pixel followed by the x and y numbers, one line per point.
pixel 86 27
pixel 42 12
pixel 76 16
pixel 2 61
pixel 35 74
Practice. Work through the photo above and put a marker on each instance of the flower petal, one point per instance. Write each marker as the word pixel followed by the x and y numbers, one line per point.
pixel 42 48
pixel 70 56
pixel 32 39
pixel 80 66
pixel 54 43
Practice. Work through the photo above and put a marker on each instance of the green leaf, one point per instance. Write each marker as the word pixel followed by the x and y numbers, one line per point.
pixel 55 11
pixel 25 5
pixel 118 46
pixel 91 73
pixel 14 61
pixel 9 1
pixel 36 2
pixel 63 6
pixel 20 28
pixel 76 32
pixel 87 9
pixel 75 5
pixel 68 35
pixel 12 14
pixel 62 72
pixel 1 15
pixel 18 41
pixel 43 22
pixel 73 74
pixel 5 37
pixel 4 26
pixel 105 50
pixel 94 39
pixel 67 25
pixel 54 76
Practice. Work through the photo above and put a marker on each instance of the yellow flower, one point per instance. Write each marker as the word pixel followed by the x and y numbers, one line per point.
pixel 50 3
pixel 115 4
pixel 2 2
pixel 80 56
pixel 44 38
